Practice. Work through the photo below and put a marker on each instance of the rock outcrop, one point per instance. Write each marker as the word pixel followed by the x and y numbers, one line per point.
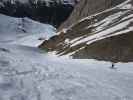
pixel 88 7
pixel 49 11
pixel 107 35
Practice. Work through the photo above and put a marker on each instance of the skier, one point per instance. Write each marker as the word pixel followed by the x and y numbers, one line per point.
pixel 113 65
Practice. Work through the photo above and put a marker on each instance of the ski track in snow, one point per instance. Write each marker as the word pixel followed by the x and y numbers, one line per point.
pixel 28 73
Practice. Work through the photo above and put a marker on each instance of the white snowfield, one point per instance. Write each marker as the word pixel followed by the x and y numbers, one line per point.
pixel 28 73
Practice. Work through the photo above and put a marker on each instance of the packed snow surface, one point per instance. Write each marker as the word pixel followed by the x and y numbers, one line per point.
pixel 27 73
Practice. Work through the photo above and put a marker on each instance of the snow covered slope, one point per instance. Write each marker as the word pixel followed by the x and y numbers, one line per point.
pixel 27 73
pixel 105 36
pixel 15 30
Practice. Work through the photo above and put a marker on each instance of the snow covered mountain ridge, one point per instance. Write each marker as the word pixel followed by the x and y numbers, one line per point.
pixel 104 35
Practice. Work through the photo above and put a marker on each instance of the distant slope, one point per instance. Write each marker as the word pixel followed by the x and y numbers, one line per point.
pixel 17 29
pixel 107 35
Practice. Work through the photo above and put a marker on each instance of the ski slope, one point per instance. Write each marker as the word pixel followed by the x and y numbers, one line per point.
pixel 28 73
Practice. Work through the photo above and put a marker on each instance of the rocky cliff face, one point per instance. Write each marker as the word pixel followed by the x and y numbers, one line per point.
pixel 48 11
pixel 107 35
pixel 88 7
